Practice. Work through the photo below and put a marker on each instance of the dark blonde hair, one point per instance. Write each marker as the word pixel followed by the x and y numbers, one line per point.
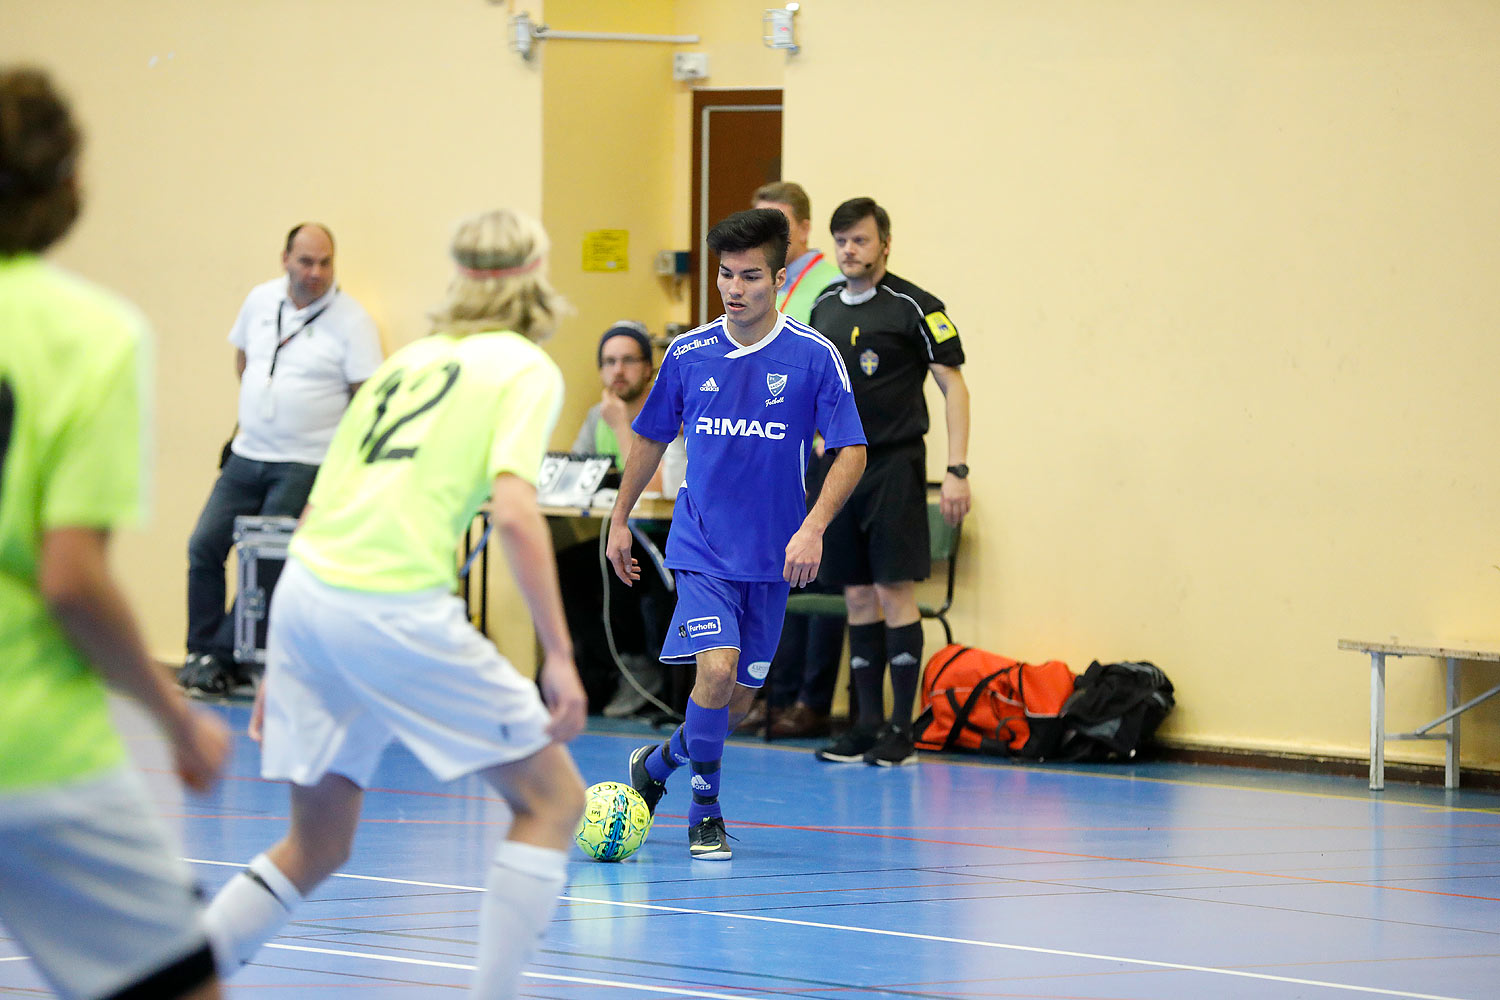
pixel 788 193
pixel 500 282
pixel 38 153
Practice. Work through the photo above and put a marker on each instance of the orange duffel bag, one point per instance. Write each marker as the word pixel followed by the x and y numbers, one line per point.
pixel 984 702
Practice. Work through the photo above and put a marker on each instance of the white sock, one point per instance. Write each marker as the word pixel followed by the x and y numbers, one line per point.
pixel 520 894
pixel 248 912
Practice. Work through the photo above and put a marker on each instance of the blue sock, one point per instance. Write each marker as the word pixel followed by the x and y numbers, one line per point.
pixel 673 754
pixel 705 729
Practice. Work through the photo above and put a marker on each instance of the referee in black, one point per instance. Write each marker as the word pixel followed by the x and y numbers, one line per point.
pixel 891 334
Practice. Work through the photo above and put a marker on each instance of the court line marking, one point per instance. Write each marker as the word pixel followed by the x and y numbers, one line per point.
pixel 1063 857
pixel 1072 856
pixel 1046 769
pixel 363 819
pixel 582 980
pixel 358 878
pixel 819 925
pixel 937 827
pixel 1030 949
pixel 462 967
pixel 1039 769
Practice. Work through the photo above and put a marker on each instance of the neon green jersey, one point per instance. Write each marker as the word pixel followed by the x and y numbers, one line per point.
pixel 605 442
pixel 416 453
pixel 70 456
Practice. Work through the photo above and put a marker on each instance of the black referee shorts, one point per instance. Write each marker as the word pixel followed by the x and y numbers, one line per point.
pixel 881 534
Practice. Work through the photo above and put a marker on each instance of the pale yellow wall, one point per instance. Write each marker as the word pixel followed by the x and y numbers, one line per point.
pixel 730 34
pixel 617 155
pixel 607 164
pixel 1224 276
pixel 212 127
pixel 1221 271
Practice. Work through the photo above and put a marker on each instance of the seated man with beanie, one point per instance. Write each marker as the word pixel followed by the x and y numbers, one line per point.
pixel 637 616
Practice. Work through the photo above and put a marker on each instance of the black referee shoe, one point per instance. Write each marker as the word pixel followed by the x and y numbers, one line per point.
pixel 849 748
pixel 893 748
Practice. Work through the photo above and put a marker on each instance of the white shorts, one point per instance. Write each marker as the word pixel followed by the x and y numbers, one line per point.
pixel 95 891
pixel 347 671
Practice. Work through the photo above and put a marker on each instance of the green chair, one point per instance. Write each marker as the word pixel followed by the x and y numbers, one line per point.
pixel 943 544
pixel 944 547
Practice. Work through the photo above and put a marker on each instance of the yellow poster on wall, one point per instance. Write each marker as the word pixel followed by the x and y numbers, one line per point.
pixel 606 250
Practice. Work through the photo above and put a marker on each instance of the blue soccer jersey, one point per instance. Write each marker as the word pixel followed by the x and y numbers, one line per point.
pixel 748 415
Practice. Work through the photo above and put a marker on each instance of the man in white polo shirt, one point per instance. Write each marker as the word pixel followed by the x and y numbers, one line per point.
pixel 302 347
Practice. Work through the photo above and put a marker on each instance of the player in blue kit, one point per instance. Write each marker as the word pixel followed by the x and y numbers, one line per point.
pixel 748 392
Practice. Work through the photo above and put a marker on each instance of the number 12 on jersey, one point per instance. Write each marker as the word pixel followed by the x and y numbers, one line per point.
pixel 401 402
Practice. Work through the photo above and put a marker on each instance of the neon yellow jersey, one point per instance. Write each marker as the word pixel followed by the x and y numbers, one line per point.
pixel 415 455
pixel 71 369
pixel 605 442
pixel 797 298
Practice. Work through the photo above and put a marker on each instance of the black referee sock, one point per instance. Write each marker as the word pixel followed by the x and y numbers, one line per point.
pixel 904 647
pixel 867 668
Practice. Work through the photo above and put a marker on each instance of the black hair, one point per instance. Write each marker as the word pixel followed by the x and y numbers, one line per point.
pixel 848 215
pixel 766 228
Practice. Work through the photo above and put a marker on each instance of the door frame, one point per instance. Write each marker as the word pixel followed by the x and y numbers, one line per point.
pixel 706 101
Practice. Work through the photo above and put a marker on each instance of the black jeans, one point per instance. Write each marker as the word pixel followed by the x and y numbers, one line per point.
pixel 638 616
pixel 244 486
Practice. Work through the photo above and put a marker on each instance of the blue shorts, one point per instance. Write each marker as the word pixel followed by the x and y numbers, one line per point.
pixel 727 614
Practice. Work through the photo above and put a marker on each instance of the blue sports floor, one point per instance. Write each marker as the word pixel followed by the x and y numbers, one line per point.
pixel 949 880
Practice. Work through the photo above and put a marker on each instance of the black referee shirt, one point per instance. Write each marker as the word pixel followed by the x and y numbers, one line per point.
pixel 887 342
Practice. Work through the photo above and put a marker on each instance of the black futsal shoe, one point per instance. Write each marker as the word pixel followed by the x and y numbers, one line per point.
pixel 709 841
pixel 640 779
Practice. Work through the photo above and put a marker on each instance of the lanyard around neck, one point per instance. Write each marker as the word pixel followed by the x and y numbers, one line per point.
pixel 800 275
pixel 280 343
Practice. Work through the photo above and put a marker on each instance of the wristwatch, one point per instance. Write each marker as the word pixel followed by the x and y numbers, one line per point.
pixel 961 471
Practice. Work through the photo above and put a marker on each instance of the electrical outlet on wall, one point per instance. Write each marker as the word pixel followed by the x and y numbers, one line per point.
pixel 672 263
pixel 689 65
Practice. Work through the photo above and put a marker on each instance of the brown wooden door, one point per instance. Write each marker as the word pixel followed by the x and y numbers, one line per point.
pixel 736 149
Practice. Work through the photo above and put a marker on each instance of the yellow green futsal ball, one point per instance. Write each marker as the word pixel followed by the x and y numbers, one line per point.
pixel 615 822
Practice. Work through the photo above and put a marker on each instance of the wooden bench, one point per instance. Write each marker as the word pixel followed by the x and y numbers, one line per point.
pixel 1455 653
